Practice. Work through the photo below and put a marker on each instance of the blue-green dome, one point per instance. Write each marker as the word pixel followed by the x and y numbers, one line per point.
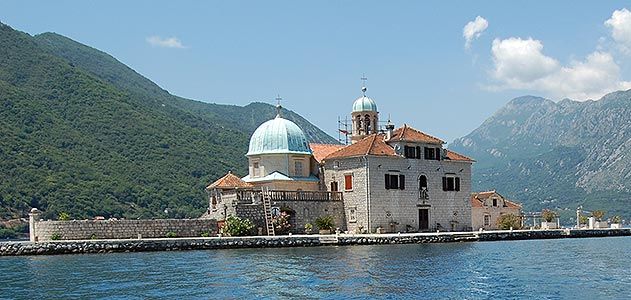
pixel 364 103
pixel 278 136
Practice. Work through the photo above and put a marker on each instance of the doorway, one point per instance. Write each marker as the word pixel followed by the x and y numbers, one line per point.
pixel 423 219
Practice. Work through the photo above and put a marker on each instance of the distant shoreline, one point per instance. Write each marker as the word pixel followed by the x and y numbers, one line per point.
pixel 23 248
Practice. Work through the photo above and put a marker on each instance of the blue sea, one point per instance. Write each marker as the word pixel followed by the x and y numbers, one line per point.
pixel 594 268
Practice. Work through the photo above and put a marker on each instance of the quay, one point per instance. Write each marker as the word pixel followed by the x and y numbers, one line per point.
pixel 18 248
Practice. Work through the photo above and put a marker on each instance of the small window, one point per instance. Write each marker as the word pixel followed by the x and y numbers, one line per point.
pixel 348 182
pixel 394 181
pixel 412 152
pixel 494 201
pixel 333 186
pixel 298 168
pixel 451 183
pixel 432 153
pixel 487 220
pixel 352 215
pixel 255 169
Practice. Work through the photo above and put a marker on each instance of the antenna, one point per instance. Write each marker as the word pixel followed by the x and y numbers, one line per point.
pixel 342 129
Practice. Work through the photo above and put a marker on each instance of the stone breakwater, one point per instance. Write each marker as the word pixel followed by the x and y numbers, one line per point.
pixel 177 244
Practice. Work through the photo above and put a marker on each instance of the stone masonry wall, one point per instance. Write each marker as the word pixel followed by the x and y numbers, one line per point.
pixel 121 229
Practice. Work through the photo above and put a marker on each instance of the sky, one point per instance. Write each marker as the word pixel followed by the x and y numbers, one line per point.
pixel 440 66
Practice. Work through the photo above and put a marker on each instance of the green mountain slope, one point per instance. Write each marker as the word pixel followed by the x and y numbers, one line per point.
pixel 82 133
pixel 557 155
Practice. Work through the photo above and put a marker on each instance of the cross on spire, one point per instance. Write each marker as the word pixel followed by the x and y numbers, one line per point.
pixel 363 79
pixel 278 106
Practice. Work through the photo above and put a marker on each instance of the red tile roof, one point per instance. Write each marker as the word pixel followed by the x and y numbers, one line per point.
pixel 477 199
pixel 456 156
pixel 320 151
pixel 370 145
pixel 229 181
pixel 409 134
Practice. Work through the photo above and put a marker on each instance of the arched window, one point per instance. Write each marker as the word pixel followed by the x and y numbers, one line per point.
pixel 359 124
pixel 422 187
pixel 367 124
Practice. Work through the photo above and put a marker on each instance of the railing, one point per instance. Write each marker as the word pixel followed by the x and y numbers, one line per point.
pixel 280 195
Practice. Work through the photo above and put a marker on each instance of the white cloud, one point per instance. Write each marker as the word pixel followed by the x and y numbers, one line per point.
pixel 521 64
pixel 171 42
pixel 473 30
pixel 620 24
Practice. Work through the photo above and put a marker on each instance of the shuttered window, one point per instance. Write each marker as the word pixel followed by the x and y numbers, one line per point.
pixel 348 182
pixel 451 183
pixel 394 182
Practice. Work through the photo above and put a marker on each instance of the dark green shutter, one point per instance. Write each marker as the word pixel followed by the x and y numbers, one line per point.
pixel 402 182
pixel 438 154
pixel 444 183
pixel 457 183
pixel 387 182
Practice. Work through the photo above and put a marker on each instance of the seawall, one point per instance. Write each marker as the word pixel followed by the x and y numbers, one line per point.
pixel 174 244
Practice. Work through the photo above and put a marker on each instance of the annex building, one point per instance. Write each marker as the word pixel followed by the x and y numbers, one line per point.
pixel 387 179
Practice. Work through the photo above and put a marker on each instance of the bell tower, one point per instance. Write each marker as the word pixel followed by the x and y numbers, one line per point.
pixel 365 117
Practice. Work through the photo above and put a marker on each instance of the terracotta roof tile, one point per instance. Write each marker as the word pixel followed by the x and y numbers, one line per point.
pixel 320 151
pixel 477 199
pixel 475 202
pixel 409 134
pixel 456 156
pixel 512 204
pixel 370 145
pixel 229 181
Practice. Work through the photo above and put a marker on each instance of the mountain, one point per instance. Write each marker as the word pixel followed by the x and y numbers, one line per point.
pixel 556 155
pixel 84 134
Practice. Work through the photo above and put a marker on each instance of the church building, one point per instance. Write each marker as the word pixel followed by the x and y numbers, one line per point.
pixel 387 180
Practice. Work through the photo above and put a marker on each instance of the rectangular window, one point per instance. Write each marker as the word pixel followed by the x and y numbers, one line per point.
pixel 255 169
pixel 432 153
pixel 333 186
pixel 352 215
pixel 298 168
pixel 494 201
pixel 394 182
pixel 487 220
pixel 348 182
pixel 412 152
pixel 451 183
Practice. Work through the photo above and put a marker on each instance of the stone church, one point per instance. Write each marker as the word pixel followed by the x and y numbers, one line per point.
pixel 387 180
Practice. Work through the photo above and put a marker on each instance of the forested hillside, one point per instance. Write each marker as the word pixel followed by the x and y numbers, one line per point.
pixel 83 133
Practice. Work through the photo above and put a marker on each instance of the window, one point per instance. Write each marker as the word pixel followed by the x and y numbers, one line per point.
pixel 487 220
pixel 432 153
pixel 412 152
pixel 394 181
pixel 422 187
pixel 352 215
pixel 348 182
pixel 298 168
pixel 367 127
pixel 333 186
pixel 255 169
pixel 494 201
pixel 451 183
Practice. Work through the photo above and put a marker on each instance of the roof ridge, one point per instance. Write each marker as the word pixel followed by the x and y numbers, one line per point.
pixel 372 143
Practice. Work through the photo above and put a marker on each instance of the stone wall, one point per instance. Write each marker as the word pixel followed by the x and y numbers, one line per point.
pixel 120 229
pixel 106 246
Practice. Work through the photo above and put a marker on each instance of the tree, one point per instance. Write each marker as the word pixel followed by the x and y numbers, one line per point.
pixel 509 221
pixel 236 226
pixel 548 215
pixel 598 214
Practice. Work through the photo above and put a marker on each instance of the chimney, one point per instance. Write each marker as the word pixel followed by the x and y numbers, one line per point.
pixel 389 130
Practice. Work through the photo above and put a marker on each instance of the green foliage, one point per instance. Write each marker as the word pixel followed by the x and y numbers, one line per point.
pixel 325 223
pixel 93 236
pixel 55 236
pixel 64 216
pixel 508 221
pixel 171 234
pixel 616 219
pixel 236 226
pixel 84 134
pixel 583 219
pixel 308 227
pixel 598 214
pixel 205 234
pixel 7 233
pixel 548 215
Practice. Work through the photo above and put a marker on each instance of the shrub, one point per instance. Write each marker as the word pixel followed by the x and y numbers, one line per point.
pixel 598 214
pixel 171 234
pixel 55 236
pixel 548 215
pixel 616 219
pixel 64 216
pixel 6 233
pixel 325 223
pixel 509 221
pixel 583 219
pixel 235 226
pixel 281 223
pixel 308 227
pixel 93 236
pixel 206 234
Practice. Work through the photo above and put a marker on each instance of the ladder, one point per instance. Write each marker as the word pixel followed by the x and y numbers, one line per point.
pixel 267 207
